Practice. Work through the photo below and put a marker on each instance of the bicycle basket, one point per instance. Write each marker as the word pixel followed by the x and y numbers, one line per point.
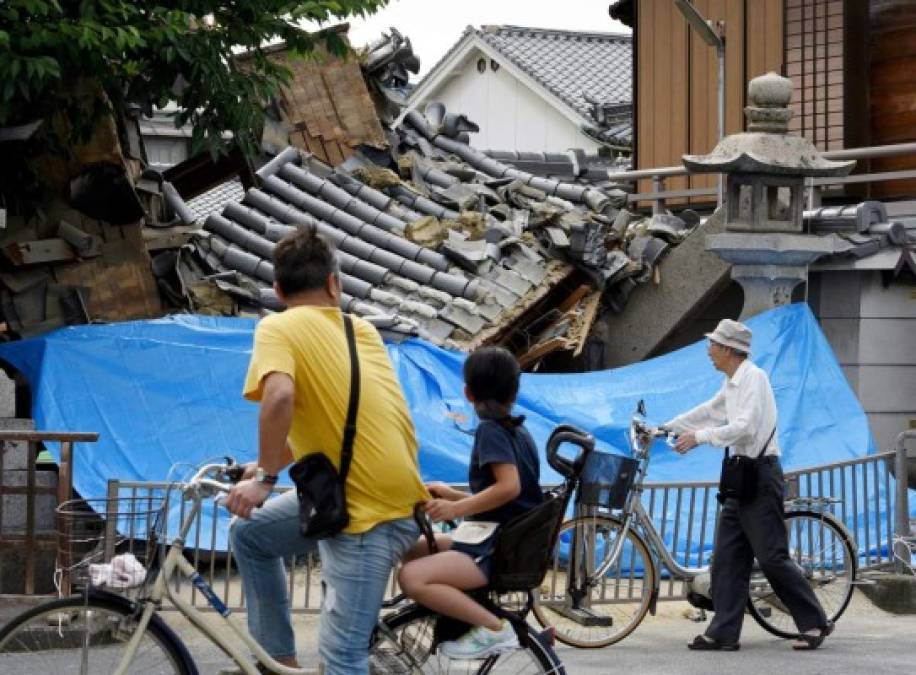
pixel 92 531
pixel 524 546
pixel 606 480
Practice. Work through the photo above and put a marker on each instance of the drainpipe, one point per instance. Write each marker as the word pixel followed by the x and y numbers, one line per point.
pixel 902 504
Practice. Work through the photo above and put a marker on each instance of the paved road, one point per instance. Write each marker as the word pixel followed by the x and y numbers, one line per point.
pixel 867 641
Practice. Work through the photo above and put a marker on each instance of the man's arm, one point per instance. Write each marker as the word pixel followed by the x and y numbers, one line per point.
pixel 749 405
pixel 274 421
pixel 711 413
pixel 705 415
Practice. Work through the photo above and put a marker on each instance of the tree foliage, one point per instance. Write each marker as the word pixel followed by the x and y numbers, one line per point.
pixel 150 52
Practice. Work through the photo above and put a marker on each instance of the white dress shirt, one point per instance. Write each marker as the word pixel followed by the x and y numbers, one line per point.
pixel 740 416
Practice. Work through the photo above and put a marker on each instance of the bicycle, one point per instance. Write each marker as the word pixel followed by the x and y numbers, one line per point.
pixel 414 632
pixel 96 631
pixel 605 576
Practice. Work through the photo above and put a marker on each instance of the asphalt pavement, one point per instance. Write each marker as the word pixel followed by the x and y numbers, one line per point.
pixel 867 641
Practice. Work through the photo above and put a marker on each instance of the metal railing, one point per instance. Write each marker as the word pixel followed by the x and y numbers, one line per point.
pixel 32 540
pixel 815 186
pixel 684 514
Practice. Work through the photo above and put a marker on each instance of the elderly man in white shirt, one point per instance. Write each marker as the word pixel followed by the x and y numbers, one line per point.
pixel 742 418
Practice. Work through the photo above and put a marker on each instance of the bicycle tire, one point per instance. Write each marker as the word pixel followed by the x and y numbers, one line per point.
pixel 824 551
pixel 413 627
pixel 624 606
pixel 50 638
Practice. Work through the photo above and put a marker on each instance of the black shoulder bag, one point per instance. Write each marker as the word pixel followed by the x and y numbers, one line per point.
pixel 739 475
pixel 321 489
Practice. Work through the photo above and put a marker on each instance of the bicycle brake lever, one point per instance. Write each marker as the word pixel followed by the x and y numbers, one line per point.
pixel 235 471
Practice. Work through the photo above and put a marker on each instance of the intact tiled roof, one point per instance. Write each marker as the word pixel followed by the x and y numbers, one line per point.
pixel 585 70
pixel 569 64
pixel 214 199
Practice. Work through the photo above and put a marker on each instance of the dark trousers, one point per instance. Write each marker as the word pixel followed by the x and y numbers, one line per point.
pixel 756 529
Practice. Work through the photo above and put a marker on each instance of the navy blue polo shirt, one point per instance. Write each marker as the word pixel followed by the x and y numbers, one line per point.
pixel 494 443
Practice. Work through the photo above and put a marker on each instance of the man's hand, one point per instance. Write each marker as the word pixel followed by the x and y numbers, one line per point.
pixel 685 442
pixel 248 470
pixel 246 496
pixel 441 509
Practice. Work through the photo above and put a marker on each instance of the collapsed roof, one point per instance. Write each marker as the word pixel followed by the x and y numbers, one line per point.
pixel 436 238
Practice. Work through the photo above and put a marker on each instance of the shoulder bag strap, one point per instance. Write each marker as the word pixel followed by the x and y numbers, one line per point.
pixel 346 451
pixel 762 450
pixel 766 445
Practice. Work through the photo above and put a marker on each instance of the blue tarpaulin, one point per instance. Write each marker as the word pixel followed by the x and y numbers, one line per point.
pixel 169 390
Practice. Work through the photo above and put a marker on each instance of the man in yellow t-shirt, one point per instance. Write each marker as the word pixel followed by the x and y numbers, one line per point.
pixel 300 374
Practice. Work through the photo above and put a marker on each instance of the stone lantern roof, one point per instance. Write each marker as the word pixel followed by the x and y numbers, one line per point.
pixel 767 147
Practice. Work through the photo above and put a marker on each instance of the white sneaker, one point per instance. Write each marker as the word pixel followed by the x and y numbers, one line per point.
pixel 481 642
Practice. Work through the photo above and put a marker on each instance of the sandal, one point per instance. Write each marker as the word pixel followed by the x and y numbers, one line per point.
pixel 702 643
pixel 807 642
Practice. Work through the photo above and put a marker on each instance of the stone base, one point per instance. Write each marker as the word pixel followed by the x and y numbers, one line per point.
pixel 895 593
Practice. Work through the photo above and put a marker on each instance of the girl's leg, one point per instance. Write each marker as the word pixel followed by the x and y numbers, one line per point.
pixel 421 547
pixel 439 581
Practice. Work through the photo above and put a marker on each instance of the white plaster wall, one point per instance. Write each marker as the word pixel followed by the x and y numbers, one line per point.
pixel 165 151
pixel 510 115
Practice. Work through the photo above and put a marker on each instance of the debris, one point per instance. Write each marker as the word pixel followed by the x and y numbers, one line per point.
pixel 426 231
pixel 40 251
pixel 85 245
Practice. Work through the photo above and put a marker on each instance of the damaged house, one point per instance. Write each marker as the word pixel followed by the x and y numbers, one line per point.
pixel 438 239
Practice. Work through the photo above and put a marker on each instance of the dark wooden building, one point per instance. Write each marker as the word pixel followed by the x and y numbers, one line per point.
pixel 853 63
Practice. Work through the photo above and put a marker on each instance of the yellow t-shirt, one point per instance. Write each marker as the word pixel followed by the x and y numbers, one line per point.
pixel 309 344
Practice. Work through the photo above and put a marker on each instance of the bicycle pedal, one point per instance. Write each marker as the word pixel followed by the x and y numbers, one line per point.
pixel 585 617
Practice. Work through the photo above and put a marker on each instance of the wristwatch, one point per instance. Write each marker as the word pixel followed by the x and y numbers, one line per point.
pixel 261 476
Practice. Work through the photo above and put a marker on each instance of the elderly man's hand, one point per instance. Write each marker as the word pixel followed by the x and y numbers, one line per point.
pixel 246 496
pixel 686 442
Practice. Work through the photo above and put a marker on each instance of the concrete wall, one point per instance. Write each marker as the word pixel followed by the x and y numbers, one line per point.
pixel 872 329
pixel 510 115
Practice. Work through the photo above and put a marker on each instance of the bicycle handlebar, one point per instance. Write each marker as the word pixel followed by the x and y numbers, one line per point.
pixel 231 470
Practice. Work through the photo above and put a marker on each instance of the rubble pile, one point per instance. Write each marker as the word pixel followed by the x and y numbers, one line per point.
pixel 436 239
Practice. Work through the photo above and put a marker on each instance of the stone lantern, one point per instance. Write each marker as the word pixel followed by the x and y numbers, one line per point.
pixel 765 171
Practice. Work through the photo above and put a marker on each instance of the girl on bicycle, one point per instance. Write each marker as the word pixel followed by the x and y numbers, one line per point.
pixel 504 477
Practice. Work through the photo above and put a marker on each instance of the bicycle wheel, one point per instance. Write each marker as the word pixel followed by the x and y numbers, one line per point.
pixel 76 635
pixel 612 607
pixel 825 555
pixel 404 644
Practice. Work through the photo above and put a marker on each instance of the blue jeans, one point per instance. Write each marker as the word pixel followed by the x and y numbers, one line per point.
pixel 259 545
pixel 355 571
